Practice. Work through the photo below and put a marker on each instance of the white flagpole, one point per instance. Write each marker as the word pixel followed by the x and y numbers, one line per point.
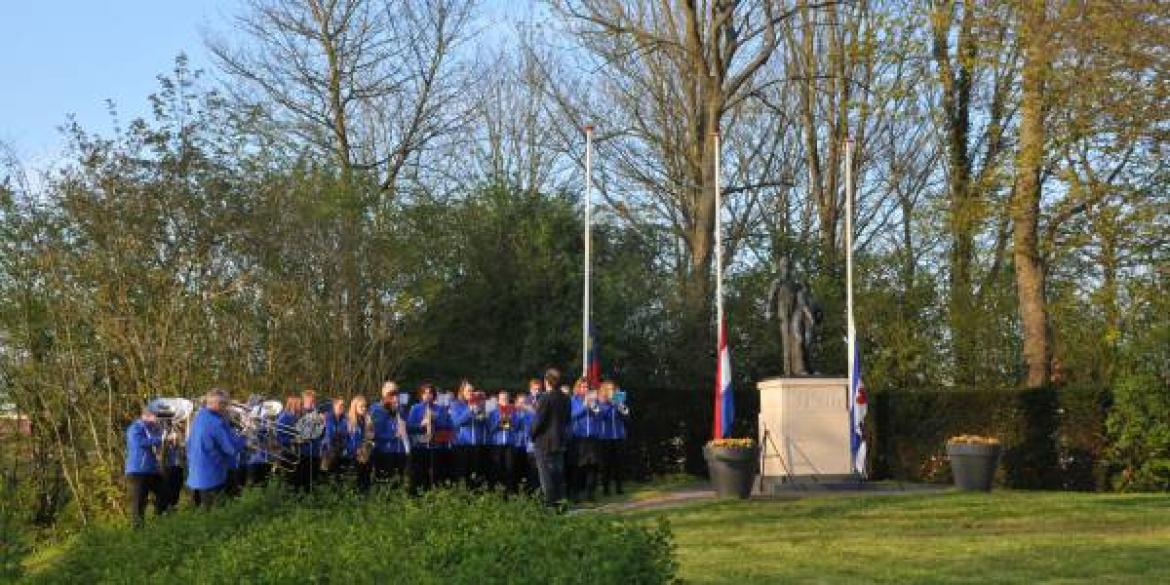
pixel 718 245
pixel 851 331
pixel 586 306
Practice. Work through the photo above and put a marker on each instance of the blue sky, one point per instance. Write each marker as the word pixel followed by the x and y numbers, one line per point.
pixel 61 57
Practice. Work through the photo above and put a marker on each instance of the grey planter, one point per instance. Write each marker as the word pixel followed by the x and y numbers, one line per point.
pixel 973 465
pixel 732 470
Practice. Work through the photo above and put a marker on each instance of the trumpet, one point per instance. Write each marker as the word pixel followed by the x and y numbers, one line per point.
pixel 258 417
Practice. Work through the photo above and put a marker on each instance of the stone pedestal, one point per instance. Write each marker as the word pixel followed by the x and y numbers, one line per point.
pixel 804 431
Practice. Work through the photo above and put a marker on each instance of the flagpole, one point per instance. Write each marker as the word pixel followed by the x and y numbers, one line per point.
pixel 851 331
pixel 586 306
pixel 718 246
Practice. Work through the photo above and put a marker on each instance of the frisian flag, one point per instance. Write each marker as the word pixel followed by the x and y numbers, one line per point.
pixel 724 397
pixel 858 406
pixel 594 373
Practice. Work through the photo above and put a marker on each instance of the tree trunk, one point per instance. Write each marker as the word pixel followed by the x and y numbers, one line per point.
pixel 1030 277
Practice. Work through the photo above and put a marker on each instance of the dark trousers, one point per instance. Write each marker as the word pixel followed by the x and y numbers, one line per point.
pixel 362 474
pixel 532 474
pixel 258 473
pixel 390 467
pixel 505 467
pixel 172 479
pixel 422 469
pixel 471 465
pixel 307 473
pixel 443 466
pixel 611 465
pixel 207 499
pixel 551 467
pixel 141 486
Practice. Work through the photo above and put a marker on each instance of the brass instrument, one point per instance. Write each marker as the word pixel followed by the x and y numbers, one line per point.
pixel 249 419
pixel 506 411
pixel 402 434
pixel 428 424
pixel 366 448
pixel 171 415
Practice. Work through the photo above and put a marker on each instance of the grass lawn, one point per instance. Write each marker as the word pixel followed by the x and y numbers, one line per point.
pixel 1003 537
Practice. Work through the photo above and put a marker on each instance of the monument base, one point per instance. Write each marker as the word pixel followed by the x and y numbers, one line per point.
pixel 804 432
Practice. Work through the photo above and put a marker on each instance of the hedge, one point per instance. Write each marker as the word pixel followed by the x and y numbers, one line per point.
pixel 267 536
pixel 1053 437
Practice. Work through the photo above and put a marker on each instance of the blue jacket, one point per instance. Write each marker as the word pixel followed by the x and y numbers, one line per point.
pixel 355 435
pixel 336 433
pixel 386 438
pixel 469 429
pixel 441 420
pixel 522 427
pixel 585 423
pixel 499 436
pixel 140 443
pixel 260 456
pixel 211 448
pixel 286 421
pixel 613 422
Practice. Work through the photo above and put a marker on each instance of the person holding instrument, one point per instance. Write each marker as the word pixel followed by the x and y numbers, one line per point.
pixel 391 439
pixel 614 416
pixel 359 443
pixel 333 463
pixel 504 426
pixel 287 438
pixel 470 419
pixel 586 432
pixel 211 448
pixel 423 423
pixel 143 475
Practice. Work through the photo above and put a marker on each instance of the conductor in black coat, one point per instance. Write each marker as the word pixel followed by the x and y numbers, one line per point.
pixel 550 426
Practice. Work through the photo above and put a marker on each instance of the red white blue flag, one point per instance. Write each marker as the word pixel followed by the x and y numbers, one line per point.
pixel 858 406
pixel 724 397
pixel 594 373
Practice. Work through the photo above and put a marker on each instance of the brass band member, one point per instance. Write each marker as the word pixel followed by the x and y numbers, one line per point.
pixel 143 475
pixel 586 417
pixel 504 426
pixel 391 439
pixel 360 441
pixel 428 425
pixel 333 462
pixel 309 449
pixel 614 416
pixel 211 448
pixel 469 417
pixel 286 436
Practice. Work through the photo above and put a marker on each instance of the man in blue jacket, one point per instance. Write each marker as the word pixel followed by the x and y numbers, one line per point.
pixel 143 475
pixel 391 442
pixel 212 446
pixel 469 417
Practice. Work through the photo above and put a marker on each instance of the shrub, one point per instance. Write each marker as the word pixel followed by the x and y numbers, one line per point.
pixel 1139 429
pixel 442 537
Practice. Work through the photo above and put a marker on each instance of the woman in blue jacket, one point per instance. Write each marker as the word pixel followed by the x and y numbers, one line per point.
pixel 504 426
pixel 360 441
pixel 211 448
pixel 615 415
pixel 470 419
pixel 286 423
pixel 143 475
pixel 586 416
pixel 429 425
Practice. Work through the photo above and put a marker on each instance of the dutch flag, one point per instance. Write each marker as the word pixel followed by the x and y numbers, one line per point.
pixel 724 397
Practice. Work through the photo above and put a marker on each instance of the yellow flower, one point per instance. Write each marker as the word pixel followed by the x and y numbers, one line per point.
pixel 973 440
pixel 732 443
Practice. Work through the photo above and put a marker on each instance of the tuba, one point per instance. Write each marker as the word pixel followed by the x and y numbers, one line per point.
pixel 172 415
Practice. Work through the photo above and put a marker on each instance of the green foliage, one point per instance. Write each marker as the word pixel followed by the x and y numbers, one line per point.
pixel 1139 427
pixel 1051 436
pixel 441 537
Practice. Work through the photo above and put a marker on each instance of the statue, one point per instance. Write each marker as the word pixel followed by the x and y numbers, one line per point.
pixel 797 314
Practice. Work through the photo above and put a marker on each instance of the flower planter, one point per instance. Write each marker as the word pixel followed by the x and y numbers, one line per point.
pixel 973 465
pixel 732 470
